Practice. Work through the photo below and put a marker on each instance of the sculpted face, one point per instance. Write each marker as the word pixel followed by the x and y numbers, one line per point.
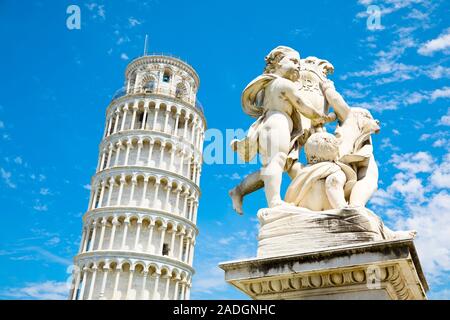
pixel 366 121
pixel 289 66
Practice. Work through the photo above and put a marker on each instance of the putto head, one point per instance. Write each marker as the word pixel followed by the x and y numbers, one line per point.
pixel 283 60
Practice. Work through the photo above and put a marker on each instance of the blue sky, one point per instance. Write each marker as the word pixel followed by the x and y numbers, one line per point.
pixel 56 84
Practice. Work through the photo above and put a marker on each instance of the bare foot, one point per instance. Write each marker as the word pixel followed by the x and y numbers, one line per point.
pixel 278 203
pixel 236 198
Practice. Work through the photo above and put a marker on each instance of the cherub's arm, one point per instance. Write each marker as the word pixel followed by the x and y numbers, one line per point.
pixel 291 94
pixel 335 99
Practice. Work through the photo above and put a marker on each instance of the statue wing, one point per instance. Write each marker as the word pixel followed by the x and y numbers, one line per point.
pixel 252 97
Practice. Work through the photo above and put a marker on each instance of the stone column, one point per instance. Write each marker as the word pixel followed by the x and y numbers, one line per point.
pixel 185 212
pixel 108 162
pixel 111 186
pixel 166 120
pixel 180 253
pixel 102 233
pixel 76 284
pixel 91 288
pixel 138 155
pixel 155 197
pixel 130 282
pixel 108 132
pixel 156 117
pixel 150 235
pixel 144 283
pixel 88 234
pixel 83 238
pixel 94 198
pixel 118 148
pixel 194 125
pixel 177 119
pixel 188 291
pixel 105 278
pixel 138 233
pixel 102 194
pixel 191 251
pixel 155 288
pixel 186 119
pixel 175 291
pixel 161 243
pixel 166 289
pixel 167 201
pixel 183 289
pixel 115 223
pixel 102 160
pixel 150 151
pixel 83 284
pixel 94 231
pixel 133 119
pixel 177 200
pixel 133 187
pixel 125 112
pixel 116 123
pixel 183 153
pixel 161 157
pixel 123 181
pixel 116 282
pixel 144 118
pixel 172 243
pixel 125 231
pixel 144 191
pixel 173 150
pixel 127 154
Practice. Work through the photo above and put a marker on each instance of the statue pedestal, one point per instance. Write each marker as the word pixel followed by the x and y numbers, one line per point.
pixel 386 269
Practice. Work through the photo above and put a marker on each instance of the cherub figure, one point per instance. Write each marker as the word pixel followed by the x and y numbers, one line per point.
pixel 275 100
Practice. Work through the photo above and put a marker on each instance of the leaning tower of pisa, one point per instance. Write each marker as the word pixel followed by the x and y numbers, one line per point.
pixel 140 227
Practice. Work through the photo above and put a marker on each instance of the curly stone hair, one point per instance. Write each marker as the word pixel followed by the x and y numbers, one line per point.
pixel 275 56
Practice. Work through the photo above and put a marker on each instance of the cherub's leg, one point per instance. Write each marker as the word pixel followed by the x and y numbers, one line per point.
pixel 294 170
pixel 334 188
pixel 249 184
pixel 273 147
pixel 272 174
pixel 366 185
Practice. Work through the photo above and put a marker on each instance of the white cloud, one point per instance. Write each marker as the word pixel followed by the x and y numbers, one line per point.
pixel 44 191
pixel 225 241
pixel 124 56
pixel 440 93
pixel 134 22
pixel 437 72
pixel 440 177
pixel 87 187
pixel 412 163
pixel 40 207
pixel 2 124
pixel 432 223
pixel 441 43
pixel 48 290
pixel 421 203
pixel 18 160
pixel 445 119
pixel 97 9
pixel 6 177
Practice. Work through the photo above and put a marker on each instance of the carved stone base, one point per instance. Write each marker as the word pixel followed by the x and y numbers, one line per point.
pixel 383 270
pixel 289 230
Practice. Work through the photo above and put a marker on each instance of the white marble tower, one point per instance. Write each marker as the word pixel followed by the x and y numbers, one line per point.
pixel 140 227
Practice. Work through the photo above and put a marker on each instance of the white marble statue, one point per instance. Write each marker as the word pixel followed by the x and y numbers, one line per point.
pixel 341 169
pixel 287 112
pixel 324 205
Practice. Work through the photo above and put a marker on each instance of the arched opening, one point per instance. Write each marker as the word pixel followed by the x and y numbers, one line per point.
pixel 167 75
pixel 181 90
